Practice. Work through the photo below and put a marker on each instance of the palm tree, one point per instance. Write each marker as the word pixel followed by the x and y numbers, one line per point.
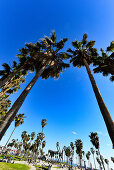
pixel 93 152
pixel 43 123
pixel 88 157
pixel 72 152
pixel 95 141
pixel 68 153
pixel 19 120
pixel 107 162
pixel 79 146
pixel 58 149
pixel 105 63
pixel 51 61
pixel 32 135
pixel 84 55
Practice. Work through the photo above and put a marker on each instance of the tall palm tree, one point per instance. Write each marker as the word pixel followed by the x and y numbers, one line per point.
pixel 72 152
pixel 58 149
pixel 52 61
pixel 107 162
pixel 88 157
pixel 19 120
pixel 79 146
pixel 68 153
pixel 43 123
pixel 93 152
pixel 95 141
pixel 84 55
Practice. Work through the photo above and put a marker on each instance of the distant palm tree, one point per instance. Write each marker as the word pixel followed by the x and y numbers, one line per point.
pixel 107 162
pixel 32 135
pixel 43 123
pixel 19 120
pixel 93 152
pixel 84 55
pixel 88 157
pixel 68 153
pixel 58 150
pixel 72 152
pixel 79 146
pixel 95 141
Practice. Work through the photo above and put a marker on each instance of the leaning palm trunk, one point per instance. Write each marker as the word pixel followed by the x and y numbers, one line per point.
pixel 10 136
pixel 18 103
pixel 105 113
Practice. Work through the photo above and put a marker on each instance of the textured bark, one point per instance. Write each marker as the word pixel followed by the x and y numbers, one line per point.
pixel 4 125
pixel 104 111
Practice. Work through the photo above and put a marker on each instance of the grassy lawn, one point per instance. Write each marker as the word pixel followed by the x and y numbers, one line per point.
pixel 16 158
pixel 40 167
pixel 9 166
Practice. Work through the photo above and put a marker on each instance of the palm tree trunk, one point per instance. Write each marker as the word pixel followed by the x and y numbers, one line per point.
pixel 104 111
pixel 101 161
pixel 18 103
pixel 80 164
pixel 10 136
pixel 94 161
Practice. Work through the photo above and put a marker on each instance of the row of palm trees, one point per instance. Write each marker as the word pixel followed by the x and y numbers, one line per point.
pixel 46 60
pixel 29 146
pixel 67 153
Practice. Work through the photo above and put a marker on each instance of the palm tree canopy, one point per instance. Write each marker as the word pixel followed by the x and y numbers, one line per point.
pixel 68 152
pixel 105 63
pixel 94 139
pixel 83 49
pixel 43 123
pixel 32 135
pixel 19 119
pixel 79 146
pixel 107 161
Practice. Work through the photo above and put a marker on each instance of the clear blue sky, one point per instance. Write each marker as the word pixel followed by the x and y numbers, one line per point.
pixel 68 103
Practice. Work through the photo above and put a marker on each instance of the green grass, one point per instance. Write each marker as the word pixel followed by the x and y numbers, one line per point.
pixel 16 158
pixel 56 167
pixel 9 166
pixel 38 167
